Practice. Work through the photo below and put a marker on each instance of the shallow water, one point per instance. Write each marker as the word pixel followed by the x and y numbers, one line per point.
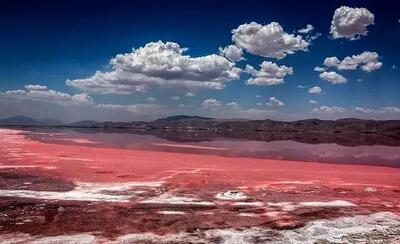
pixel 357 153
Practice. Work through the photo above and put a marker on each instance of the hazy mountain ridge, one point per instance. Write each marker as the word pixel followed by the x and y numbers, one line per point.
pixel 185 122
pixel 25 120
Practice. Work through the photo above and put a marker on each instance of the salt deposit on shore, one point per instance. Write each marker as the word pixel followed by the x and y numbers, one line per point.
pixel 112 192
pixel 383 227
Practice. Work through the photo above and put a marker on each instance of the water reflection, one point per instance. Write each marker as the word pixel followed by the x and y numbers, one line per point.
pixel 356 149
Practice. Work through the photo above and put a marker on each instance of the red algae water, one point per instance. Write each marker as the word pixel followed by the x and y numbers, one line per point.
pixel 99 188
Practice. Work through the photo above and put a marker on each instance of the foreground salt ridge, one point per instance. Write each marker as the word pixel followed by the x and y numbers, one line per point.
pixel 88 192
pixel 171 212
pixel 124 192
pixel 231 195
pixel 170 199
pixel 382 227
pixel 349 229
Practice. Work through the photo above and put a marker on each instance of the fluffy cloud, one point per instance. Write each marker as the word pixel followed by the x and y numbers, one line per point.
pixel 319 69
pixel 332 62
pixel 211 103
pixel 43 94
pixel 40 102
pixel 151 99
pixel 232 52
pixel 69 107
pixel 328 110
pixel 273 101
pixel 314 37
pixel 190 94
pixel 312 102
pixel 234 105
pixel 365 110
pixel 315 90
pixel 371 66
pixel 160 64
pixel 385 113
pixel 368 61
pixel 137 109
pixel 306 29
pixel 35 87
pixel 267 40
pixel 214 108
pixel 333 77
pixel 389 109
pixel 82 98
pixel 269 74
pixel 351 22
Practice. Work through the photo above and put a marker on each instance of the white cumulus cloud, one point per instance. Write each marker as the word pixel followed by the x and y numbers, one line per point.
pixel 232 52
pixel 328 110
pixel 391 109
pixel 234 105
pixel 333 77
pixel 35 87
pixel 273 101
pixel 160 64
pixel 43 94
pixel 350 22
pixel 382 110
pixel 368 61
pixel 315 90
pixel 306 29
pixel 267 40
pixel 211 103
pixel 190 94
pixel 269 74
pixel 82 98
pixel 363 110
pixel 319 69
pixel 151 99
pixel 40 102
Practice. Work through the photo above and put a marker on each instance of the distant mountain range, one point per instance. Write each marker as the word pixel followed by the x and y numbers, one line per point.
pixel 197 123
pixel 24 120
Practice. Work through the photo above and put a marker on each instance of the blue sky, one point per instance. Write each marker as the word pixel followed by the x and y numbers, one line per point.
pixel 48 43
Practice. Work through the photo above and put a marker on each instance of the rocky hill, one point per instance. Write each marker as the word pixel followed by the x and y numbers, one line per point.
pixel 197 123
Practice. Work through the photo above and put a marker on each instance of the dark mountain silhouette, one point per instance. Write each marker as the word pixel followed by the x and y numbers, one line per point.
pixel 25 120
pixel 197 123
pixel 182 117
pixel 19 120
